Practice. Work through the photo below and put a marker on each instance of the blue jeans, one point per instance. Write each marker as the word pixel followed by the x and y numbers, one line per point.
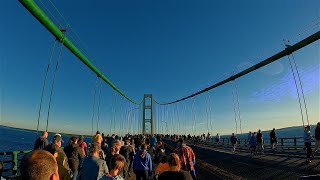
pixel 193 174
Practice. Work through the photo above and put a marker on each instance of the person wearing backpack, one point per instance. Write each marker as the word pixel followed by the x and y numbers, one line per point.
pixel 127 152
pixel 159 152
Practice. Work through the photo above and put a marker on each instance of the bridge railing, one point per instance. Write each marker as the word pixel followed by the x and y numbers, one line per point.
pixel 282 143
pixel 11 161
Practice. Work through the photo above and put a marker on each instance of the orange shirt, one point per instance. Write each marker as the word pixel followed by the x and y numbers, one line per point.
pixel 162 167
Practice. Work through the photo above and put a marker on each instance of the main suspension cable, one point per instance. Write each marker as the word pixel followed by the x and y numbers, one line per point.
pixel 287 51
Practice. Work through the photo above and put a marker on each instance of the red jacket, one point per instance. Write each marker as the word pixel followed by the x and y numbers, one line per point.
pixel 186 156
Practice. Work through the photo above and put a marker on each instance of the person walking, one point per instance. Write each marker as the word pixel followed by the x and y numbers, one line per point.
pixel 41 141
pixel 83 145
pixel 55 146
pixel 187 157
pixel 260 147
pixel 116 164
pixel 92 167
pixel 249 137
pixel 115 149
pixel 74 154
pixel 253 144
pixel 61 160
pixel 174 170
pixel 127 152
pixel 273 139
pixel 233 140
pixel 217 139
pixel 142 163
pixel 162 166
pixel 153 141
pixel 307 142
pixel 159 152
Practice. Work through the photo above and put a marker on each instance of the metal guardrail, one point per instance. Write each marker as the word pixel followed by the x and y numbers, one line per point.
pixel 14 160
pixel 282 143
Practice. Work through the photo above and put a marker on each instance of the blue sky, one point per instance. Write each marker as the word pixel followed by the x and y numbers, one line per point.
pixel 168 48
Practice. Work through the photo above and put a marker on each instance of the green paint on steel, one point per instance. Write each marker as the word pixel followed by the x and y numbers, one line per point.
pixel 15 162
pixel 34 9
pixel 289 50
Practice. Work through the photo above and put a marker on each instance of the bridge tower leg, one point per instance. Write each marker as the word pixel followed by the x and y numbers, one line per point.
pixel 147 121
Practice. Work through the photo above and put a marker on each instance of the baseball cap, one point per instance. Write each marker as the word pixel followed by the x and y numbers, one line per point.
pixel 57 137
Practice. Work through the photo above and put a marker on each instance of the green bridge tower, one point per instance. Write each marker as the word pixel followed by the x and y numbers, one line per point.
pixel 147 114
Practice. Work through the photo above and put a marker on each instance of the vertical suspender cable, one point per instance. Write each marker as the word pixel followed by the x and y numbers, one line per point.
pixel 170 119
pixel 99 100
pixel 207 111
pixel 295 82
pixel 234 109
pixel 210 110
pixel 304 100
pixel 154 114
pixel 112 111
pixel 185 115
pixel 178 118
pixel 53 81
pixel 135 122
pixel 193 117
pixel 44 83
pixel 140 116
pixel 173 123
pixel 94 102
pixel 167 119
pixel 115 111
pixel 157 118
pixel 158 122
pixel 238 105
pixel 121 116
pixel 164 117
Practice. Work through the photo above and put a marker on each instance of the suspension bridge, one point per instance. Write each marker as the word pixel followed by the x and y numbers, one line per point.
pixel 150 116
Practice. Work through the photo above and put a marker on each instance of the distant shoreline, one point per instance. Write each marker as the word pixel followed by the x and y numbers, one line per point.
pixel 32 130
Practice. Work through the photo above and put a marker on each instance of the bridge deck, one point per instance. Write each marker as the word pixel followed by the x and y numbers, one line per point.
pixel 271 165
pixel 217 162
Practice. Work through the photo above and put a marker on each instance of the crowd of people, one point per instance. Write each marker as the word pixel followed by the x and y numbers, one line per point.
pixel 114 157
pixel 255 141
pixel 106 158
